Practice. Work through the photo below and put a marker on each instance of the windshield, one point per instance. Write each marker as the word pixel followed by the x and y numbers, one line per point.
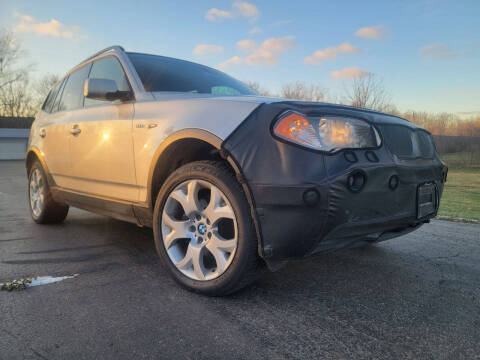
pixel 160 73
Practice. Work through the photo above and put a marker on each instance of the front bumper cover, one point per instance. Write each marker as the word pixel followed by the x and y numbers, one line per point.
pixel 281 176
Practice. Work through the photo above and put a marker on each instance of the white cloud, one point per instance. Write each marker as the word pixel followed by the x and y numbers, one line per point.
pixel 215 14
pixel 349 73
pixel 331 53
pixel 27 23
pixel 261 56
pixel 245 9
pixel 207 49
pixel 232 61
pixel 247 45
pixel 372 32
pixel 267 53
pixel 264 54
pixel 279 44
pixel 239 9
pixel 436 51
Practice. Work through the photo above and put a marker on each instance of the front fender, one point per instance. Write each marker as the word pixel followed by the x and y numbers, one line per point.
pixel 183 134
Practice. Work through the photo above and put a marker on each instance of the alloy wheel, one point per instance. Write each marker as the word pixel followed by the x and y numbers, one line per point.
pixel 37 192
pixel 199 230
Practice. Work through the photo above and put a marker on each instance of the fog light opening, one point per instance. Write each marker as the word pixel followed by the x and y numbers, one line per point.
pixel 356 181
pixel 311 197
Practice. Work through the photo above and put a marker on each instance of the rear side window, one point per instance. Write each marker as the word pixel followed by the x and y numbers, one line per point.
pixel 58 96
pixel 47 100
pixel 108 68
pixel 72 96
pixel 48 104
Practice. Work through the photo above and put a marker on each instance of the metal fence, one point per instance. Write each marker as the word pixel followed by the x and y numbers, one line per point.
pixel 7 122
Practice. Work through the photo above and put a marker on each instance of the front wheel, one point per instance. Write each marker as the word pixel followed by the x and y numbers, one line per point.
pixel 203 229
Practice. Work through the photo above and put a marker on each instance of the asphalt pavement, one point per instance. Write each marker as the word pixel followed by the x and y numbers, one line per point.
pixel 416 297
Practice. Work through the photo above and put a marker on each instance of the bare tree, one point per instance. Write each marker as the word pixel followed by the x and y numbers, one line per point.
pixel 16 100
pixel 10 53
pixel 367 92
pixel 41 89
pixel 300 91
pixel 260 90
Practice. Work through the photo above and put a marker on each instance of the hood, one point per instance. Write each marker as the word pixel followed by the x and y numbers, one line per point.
pixel 257 99
pixel 302 106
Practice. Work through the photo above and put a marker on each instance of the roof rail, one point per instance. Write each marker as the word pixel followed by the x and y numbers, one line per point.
pixel 114 47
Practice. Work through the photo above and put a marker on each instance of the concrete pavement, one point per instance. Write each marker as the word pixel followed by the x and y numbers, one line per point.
pixel 413 297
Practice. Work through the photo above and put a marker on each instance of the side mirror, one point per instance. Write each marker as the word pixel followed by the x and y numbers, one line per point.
pixel 104 89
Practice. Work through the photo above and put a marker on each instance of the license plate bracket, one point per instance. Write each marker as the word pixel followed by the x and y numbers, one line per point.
pixel 426 199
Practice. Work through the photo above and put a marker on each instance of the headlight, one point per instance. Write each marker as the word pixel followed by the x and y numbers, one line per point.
pixel 327 133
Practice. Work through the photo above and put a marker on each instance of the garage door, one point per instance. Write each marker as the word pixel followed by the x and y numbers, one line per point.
pixel 13 143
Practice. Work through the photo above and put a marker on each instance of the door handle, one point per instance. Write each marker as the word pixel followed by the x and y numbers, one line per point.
pixel 75 130
pixel 152 125
pixel 43 133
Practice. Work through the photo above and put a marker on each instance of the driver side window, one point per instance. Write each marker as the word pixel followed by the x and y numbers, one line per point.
pixel 108 68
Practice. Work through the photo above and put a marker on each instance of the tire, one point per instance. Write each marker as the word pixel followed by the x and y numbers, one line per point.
pixel 221 269
pixel 43 208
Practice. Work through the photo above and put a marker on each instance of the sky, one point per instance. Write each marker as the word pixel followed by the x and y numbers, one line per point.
pixel 427 52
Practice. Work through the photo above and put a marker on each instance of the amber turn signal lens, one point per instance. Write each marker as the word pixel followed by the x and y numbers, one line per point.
pixel 291 124
pixel 296 128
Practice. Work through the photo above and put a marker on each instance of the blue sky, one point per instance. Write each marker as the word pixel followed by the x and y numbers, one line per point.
pixel 427 52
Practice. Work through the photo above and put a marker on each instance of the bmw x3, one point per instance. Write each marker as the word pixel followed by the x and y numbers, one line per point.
pixel 229 181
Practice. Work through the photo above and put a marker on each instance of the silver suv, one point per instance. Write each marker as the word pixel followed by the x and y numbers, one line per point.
pixel 228 180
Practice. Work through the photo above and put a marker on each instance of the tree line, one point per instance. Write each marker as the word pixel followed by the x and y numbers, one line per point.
pixel 21 96
pixel 369 92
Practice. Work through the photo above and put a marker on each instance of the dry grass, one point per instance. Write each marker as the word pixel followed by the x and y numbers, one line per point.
pixel 461 195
